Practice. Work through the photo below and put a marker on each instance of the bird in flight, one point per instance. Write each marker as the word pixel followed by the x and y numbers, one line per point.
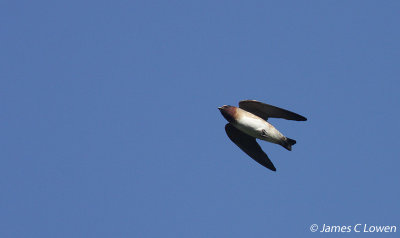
pixel 248 122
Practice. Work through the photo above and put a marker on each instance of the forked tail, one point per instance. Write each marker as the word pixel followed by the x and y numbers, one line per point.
pixel 288 143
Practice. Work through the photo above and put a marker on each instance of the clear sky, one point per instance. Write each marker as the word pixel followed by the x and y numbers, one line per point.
pixel 110 127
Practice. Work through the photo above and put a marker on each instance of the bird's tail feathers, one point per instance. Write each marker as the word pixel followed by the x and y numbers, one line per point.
pixel 287 144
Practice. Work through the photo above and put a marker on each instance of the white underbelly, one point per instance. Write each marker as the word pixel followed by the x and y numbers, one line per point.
pixel 255 127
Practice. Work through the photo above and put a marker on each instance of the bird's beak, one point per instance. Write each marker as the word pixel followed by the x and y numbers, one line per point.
pixel 219 108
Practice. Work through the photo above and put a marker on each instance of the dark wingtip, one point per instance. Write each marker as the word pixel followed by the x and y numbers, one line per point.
pixel 301 118
pixel 271 167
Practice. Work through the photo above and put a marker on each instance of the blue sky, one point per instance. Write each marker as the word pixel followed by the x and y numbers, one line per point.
pixel 110 126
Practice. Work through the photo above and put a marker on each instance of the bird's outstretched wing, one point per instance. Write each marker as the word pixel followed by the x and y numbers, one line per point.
pixel 265 111
pixel 249 145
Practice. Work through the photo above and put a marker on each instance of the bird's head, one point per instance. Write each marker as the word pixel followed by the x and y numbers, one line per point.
pixel 229 112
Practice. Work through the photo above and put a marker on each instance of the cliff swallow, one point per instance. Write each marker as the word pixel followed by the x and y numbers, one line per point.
pixel 248 122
